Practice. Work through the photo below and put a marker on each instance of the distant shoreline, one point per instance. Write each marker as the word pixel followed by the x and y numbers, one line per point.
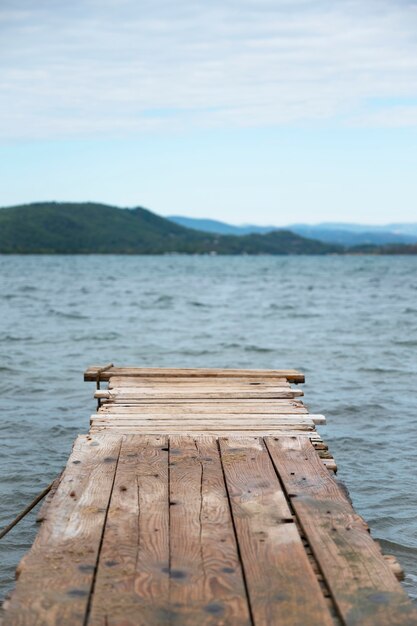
pixel 88 228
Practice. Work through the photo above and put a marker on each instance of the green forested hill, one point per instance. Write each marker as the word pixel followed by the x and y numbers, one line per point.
pixel 72 228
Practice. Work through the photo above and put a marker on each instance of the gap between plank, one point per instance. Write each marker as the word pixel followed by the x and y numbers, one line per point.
pixel 235 534
pixel 168 445
pixel 93 583
pixel 337 617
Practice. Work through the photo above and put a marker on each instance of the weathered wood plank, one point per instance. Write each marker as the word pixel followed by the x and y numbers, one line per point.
pixel 209 383
pixel 283 589
pixel 360 580
pixel 132 585
pixel 290 374
pixel 131 396
pixel 301 418
pixel 219 432
pixel 121 381
pixel 292 401
pixel 213 421
pixel 273 407
pixel 175 417
pixel 57 575
pixel 139 389
pixel 206 578
pixel 194 428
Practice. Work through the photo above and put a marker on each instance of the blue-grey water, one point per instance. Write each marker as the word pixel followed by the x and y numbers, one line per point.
pixel 350 323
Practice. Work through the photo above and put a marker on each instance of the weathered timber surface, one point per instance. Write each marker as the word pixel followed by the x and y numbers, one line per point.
pixel 280 580
pixel 201 532
pixel 91 373
pixel 209 406
pixel 55 578
pixel 197 499
pixel 132 583
pixel 205 381
pixel 206 579
pixel 362 584
pixel 111 416
pixel 132 394
pixel 214 429
pixel 113 420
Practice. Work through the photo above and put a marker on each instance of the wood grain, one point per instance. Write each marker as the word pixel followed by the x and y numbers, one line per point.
pixel 57 575
pixel 121 381
pixel 360 580
pixel 132 586
pixel 215 432
pixel 132 395
pixel 269 421
pixel 198 498
pixel 283 589
pixel 206 578
pixel 300 418
pixel 209 406
pixel 290 374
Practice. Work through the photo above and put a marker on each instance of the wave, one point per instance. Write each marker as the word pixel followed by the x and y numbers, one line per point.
pixel 67 315
pixel 258 349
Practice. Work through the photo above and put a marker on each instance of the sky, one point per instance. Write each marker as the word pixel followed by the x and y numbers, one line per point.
pixel 249 111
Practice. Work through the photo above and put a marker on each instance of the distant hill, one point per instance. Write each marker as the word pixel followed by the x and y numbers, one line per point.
pixel 404 228
pixel 386 249
pixel 343 237
pixel 340 234
pixel 77 228
pixel 221 228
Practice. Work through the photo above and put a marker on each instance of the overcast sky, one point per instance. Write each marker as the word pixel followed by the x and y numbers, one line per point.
pixel 249 111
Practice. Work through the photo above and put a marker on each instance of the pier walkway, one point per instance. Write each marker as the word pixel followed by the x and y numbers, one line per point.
pixel 203 497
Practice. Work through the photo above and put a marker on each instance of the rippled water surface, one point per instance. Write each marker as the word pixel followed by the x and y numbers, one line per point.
pixel 350 323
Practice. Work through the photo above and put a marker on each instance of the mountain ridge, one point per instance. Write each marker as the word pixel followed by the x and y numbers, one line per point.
pixel 328 232
pixel 94 228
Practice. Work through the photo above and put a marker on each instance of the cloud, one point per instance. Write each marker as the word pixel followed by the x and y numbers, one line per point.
pixel 120 67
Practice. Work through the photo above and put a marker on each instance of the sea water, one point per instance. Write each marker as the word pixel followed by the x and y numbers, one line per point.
pixel 349 323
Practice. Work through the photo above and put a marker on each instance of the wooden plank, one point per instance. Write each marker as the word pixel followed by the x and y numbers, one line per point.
pixel 161 409
pixel 206 579
pixel 274 407
pixel 220 417
pixel 120 381
pixel 56 576
pixel 202 389
pixel 207 419
pixel 283 589
pixel 150 429
pixel 290 374
pixel 250 402
pixel 196 428
pixel 138 389
pixel 226 426
pixel 133 396
pixel 161 428
pixel 215 432
pixel 145 383
pixel 360 580
pixel 201 417
pixel 132 585
pixel 330 464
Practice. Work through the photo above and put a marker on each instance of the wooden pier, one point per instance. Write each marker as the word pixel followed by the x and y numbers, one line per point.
pixel 203 497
